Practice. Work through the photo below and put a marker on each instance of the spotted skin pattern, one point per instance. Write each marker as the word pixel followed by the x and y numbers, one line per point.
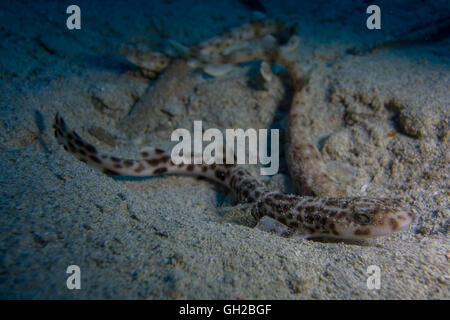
pixel 230 41
pixel 346 218
pixel 329 215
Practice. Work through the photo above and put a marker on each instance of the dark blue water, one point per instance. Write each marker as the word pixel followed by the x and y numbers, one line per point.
pixel 40 26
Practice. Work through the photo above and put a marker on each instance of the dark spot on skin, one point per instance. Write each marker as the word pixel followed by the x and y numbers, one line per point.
pixel 95 159
pixel 110 172
pixel 342 215
pixel 333 229
pixel 190 167
pixel 62 124
pixel 79 143
pixel 285 207
pixel 159 151
pixel 164 159
pixel 128 163
pixel 144 154
pixel 160 170
pixel 362 232
pixel 139 169
pixel 269 202
pixel 328 212
pixel 90 148
pixel 72 147
pixel 310 209
pixel 309 219
pixel 76 135
pixel 246 185
pixel 323 220
pixel 152 162
pixel 294 224
pixel 133 216
pixel 220 175
pixel 278 197
pixel 114 159
pixel 393 223
pixel 282 220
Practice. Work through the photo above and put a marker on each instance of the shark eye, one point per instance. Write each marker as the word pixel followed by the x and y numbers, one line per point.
pixel 361 218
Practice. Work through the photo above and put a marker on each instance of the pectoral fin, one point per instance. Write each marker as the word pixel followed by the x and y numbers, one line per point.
pixel 271 225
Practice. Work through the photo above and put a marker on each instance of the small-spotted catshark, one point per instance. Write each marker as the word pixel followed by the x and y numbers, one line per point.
pixel 344 218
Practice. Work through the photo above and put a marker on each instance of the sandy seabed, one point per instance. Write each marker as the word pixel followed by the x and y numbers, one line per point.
pixel 380 118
